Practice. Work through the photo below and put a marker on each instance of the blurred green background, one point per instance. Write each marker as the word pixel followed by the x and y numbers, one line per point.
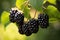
pixel 9 31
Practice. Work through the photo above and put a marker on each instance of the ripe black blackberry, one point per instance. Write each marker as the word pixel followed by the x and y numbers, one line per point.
pixel 43 20
pixel 19 18
pixel 12 15
pixel 26 30
pixel 33 25
pixel 20 30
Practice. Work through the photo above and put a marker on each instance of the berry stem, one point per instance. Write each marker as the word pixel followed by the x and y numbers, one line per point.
pixel 26 3
pixel 47 4
pixel 35 14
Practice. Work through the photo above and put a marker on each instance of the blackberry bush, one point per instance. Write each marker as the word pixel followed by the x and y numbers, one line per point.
pixel 26 30
pixel 33 25
pixel 43 20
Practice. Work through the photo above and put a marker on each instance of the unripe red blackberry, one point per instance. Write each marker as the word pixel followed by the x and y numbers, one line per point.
pixel 43 20
pixel 26 30
pixel 33 25
pixel 12 15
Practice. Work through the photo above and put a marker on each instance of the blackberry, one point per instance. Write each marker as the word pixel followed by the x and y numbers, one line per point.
pixel 12 15
pixel 26 30
pixel 43 20
pixel 19 18
pixel 20 30
pixel 33 25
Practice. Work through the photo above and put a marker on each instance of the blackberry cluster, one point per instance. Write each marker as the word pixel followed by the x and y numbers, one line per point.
pixel 19 18
pixel 33 25
pixel 43 20
pixel 29 27
pixel 26 30
pixel 16 16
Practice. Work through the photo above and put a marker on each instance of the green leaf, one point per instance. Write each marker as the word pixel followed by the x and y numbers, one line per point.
pixel 19 3
pixel 37 4
pixel 5 18
pixel 52 12
pixel 52 1
pixel 26 11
